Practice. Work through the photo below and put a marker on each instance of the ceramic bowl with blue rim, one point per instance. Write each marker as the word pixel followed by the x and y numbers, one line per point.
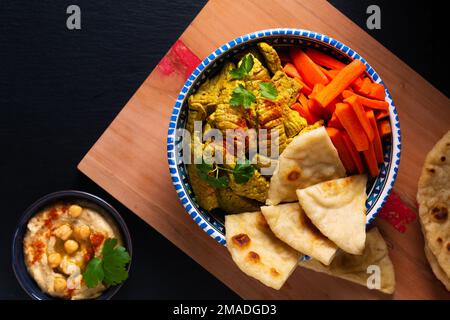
pixel 84 199
pixel 378 189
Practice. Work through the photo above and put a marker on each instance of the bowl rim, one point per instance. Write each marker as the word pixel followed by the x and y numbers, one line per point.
pixel 17 240
pixel 183 194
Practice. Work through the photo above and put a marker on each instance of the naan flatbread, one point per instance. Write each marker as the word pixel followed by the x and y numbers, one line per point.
pixel 291 225
pixel 355 268
pixel 257 251
pixel 433 197
pixel 338 209
pixel 309 159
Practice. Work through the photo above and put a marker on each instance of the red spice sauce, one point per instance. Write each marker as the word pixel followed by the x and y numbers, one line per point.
pixel 38 250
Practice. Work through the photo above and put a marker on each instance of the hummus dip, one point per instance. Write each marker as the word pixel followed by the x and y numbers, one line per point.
pixel 59 242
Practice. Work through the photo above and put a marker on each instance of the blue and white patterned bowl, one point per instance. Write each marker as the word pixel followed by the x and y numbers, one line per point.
pixel 378 189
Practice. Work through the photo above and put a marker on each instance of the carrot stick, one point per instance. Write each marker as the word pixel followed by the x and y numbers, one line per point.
pixel 305 88
pixel 317 88
pixel 344 153
pixel 327 73
pixel 304 112
pixel 361 114
pixel 313 105
pixel 371 161
pixel 384 128
pixel 371 103
pixel 350 122
pixel 291 71
pixel 381 114
pixel 316 110
pixel 342 80
pixel 353 152
pixel 324 59
pixel 334 122
pixel 309 71
pixel 365 87
pixel 303 99
pixel 376 140
pixel 377 91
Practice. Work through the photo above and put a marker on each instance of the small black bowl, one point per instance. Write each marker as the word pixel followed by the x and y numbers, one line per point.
pixel 18 262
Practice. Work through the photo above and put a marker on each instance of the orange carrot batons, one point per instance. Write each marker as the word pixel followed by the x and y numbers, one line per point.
pixel 324 59
pixel 352 125
pixel 362 116
pixel 377 146
pixel 371 161
pixel 291 71
pixel 354 153
pixel 371 103
pixel 309 71
pixel 384 128
pixel 340 82
pixel 334 122
pixel 377 91
pixel 344 153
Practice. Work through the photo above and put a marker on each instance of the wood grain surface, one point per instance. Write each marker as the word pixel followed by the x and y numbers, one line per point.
pixel 129 160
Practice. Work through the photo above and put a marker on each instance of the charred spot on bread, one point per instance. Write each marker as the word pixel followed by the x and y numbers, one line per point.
pixel 241 240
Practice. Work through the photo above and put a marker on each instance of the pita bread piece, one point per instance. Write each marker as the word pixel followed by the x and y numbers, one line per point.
pixel 436 268
pixel 256 250
pixel 309 159
pixel 338 209
pixel 355 268
pixel 433 197
pixel 291 225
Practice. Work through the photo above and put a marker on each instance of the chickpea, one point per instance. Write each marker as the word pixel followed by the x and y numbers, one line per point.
pixel 75 211
pixel 63 232
pixel 54 260
pixel 71 246
pixel 82 232
pixel 59 284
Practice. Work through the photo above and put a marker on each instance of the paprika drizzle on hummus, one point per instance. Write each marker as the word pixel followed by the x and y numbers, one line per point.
pixel 59 243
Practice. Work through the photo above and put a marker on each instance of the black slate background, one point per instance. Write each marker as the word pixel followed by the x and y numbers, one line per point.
pixel 60 89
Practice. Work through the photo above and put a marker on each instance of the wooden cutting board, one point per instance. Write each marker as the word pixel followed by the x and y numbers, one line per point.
pixel 129 160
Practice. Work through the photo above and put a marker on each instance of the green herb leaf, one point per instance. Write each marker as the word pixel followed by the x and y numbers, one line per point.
pixel 268 90
pixel 111 269
pixel 243 172
pixel 242 97
pixel 206 173
pixel 93 274
pixel 244 68
pixel 115 259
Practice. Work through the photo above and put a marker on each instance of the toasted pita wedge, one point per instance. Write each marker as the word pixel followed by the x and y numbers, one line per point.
pixel 256 250
pixel 291 225
pixel 358 269
pixel 309 159
pixel 337 208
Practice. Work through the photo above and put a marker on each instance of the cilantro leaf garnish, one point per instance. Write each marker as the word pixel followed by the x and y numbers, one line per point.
pixel 243 172
pixel 115 258
pixel 110 268
pixel 210 174
pixel 242 97
pixel 244 68
pixel 268 90
pixel 93 273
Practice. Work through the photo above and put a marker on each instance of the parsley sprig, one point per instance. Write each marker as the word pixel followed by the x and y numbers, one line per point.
pixel 244 68
pixel 242 97
pixel 110 268
pixel 242 172
pixel 268 90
